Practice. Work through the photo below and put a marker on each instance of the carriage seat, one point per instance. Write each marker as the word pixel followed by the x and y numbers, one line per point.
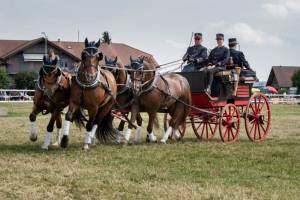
pixel 227 76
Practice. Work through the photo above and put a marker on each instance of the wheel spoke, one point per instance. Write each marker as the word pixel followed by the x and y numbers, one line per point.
pixel 206 126
pixel 202 131
pixel 253 110
pixel 263 128
pixel 251 129
pixel 233 136
pixel 225 134
pixel 254 131
pixel 258 128
pixel 211 128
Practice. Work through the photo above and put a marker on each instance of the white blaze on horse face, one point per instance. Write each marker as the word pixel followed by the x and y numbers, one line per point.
pixel 47 140
pixel 67 125
pixel 138 135
pixel 32 128
pixel 166 135
pixel 128 134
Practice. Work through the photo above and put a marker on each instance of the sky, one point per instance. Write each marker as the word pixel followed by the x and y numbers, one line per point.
pixel 268 30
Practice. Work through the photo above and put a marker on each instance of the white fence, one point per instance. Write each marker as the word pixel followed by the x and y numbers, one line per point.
pixel 27 96
pixel 16 95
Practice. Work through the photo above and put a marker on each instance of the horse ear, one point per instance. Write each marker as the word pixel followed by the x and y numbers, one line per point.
pixel 100 56
pixel 86 42
pixel 142 60
pixel 105 59
pixel 44 59
pixel 58 73
pixel 116 59
pixel 98 44
pixel 131 60
pixel 54 62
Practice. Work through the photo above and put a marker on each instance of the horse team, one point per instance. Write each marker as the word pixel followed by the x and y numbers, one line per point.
pixel 100 90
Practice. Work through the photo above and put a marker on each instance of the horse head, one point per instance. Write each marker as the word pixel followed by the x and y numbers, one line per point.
pixel 90 58
pixel 137 74
pixel 50 73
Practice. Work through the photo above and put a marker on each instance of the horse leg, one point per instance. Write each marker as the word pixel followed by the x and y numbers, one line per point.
pixel 58 126
pixel 120 130
pixel 176 113
pixel 89 127
pixel 68 120
pixel 134 112
pixel 150 136
pixel 48 135
pixel 92 135
pixel 32 122
pixel 138 135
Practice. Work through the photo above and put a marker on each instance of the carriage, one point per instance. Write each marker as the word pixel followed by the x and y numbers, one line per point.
pixel 222 110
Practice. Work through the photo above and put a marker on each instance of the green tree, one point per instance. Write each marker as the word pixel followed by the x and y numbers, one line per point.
pixel 25 80
pixel 4 81
pixel 106 37
pixel 296 79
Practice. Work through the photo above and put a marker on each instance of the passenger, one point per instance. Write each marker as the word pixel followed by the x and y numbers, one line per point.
pixel 217 60
pixel 195 55
pixel 237 56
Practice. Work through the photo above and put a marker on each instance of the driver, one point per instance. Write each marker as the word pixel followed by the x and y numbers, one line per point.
pixel 195 55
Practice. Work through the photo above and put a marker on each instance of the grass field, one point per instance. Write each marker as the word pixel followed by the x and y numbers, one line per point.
pixel 184 170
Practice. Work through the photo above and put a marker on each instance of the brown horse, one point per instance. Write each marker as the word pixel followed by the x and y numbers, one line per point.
pixel 124 98
pixel 154 92
pixel 51 96
pixel 95 90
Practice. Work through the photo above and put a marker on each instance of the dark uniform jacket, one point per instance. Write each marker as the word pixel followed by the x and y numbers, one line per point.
pixel 219 56
pixel 239 58
pixel 196 54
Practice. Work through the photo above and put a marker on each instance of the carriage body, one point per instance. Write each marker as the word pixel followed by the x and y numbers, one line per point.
pixel 223 109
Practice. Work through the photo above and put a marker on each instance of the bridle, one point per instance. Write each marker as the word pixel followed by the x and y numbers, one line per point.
pixel 91 54
pixel 96 81
pixel 145 86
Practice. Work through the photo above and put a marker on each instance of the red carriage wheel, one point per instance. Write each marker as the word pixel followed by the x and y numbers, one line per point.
pixel 258 117
pixel 229 123
pixel 181 129
pixel 205 128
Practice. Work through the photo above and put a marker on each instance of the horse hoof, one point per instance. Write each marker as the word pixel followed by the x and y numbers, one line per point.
pixel 86 147
pixel 150 139
pixel 55 144
pixel 162 142
pixel 64 141
pixel 33 138
pixel 44 147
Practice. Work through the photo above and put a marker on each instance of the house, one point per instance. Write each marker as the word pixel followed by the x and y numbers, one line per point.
pixel 26 55
pixel 281 77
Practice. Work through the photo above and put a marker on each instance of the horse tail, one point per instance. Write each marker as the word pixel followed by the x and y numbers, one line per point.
pixel 105 130
pixel 79 118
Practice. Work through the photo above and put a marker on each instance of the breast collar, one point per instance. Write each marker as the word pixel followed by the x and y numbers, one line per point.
pixel 93 84
pixel 41 86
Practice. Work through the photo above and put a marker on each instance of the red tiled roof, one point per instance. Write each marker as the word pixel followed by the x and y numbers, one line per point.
pixel 9 48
